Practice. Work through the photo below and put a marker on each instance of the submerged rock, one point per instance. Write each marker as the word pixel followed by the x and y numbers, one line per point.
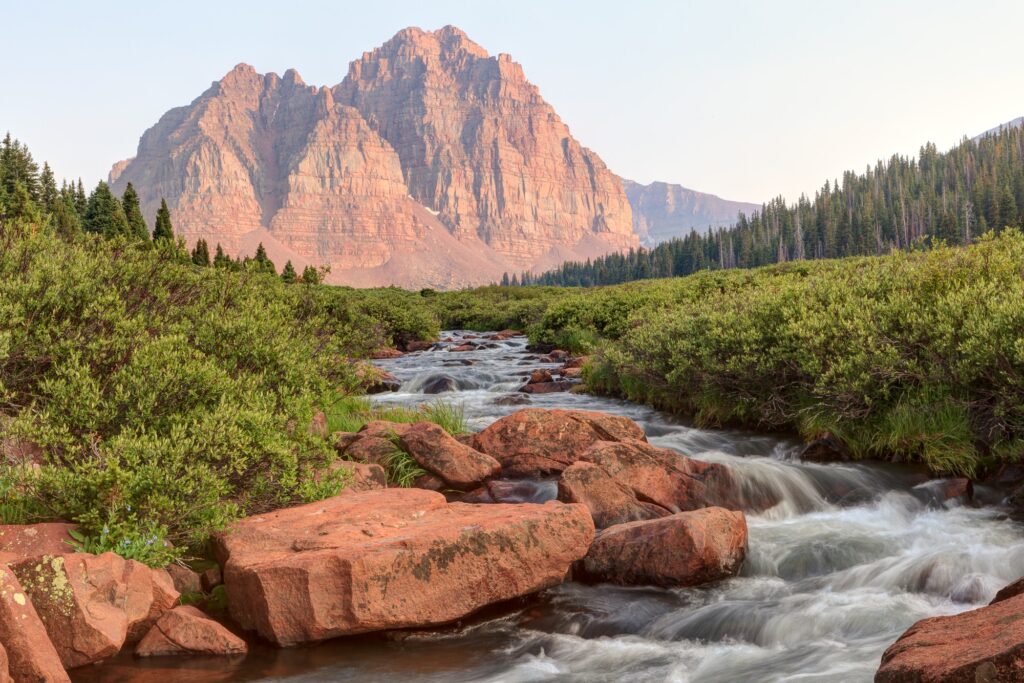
pixel 439 384
pixel 187 631
pixel 394 558
pixel 551 387
pixel 31 655
pixel 512 400
pixel 684 549
pixel 985 645
pixel 535 441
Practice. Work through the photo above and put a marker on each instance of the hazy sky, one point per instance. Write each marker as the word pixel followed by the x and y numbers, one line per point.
pixel 747 100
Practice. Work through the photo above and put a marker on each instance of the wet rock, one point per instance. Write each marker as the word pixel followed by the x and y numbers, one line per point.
pixel 1009 591
pixel 186 631
pixel 664 477
pixel 395 558
pixel 383 382
pixel 549 387
pixel 575 363
pixel 985 645
pixel 438 384
pixel 26 541
pixel 941 490
pixel 31 655
pixel 92 605
pixel 536 441
pixel 539 376
pixel 512 400
pixel 414 346
pixel 571 373
pixel 436 451
pixel 384 354
pixel 506 334
pixel 558 354
pixel 684 549
pixel 609 501
pixel 828 448
pixel 461 348
pixel 184 579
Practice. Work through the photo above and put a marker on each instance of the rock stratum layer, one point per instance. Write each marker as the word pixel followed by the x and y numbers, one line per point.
pixel 431 164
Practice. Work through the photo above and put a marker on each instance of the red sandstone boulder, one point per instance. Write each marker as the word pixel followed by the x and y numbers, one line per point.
pixel 92 605
pixel 534 441
pixel 684 549
pixel 211 578
pixel 571 373
pixel 985 645
pixel 463 347
pixel 539 376
pixel 460 466
pixel 665 477
pixel 382 429
pixel 375 450
pixel 186 631
pixel 394 558
pixel 1009 591
pixel 30 654
pixel 25 541
pixel 551 387
pixel 185 580
pixel 414 346
pixel 575 363
pixel 609 501
pixel 5 674
pixel 382 354
pixel 361 476
pixel 343 440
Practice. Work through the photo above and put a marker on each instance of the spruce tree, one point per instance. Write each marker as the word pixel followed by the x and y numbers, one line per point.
pixel 163 231
pixel 47 189
pixel 310 275
pixel 133 212
pixel 288 274
pixel 81 203
pixel 65 218
pixel 104 214
pixel 263 264
pixel 201 253
pixel 220 259
pixel 17 166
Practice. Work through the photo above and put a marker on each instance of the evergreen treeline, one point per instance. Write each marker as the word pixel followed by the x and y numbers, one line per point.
pixel 952 196
pixel 29 195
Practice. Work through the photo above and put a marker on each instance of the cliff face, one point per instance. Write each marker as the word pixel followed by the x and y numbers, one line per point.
pixel 482 148
pixel 431 164
pixel 662 211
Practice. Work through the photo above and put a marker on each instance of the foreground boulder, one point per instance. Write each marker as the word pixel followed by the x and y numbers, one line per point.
pixel 684 549
pixel 26 541
pixel 388 559
pixel 30 654
pixel 535 441
pixel 187 631
pixel 92 605
pixel 1009 591
pixel 664 477
pixel 985 645
pixel 610 502
pixel 436 451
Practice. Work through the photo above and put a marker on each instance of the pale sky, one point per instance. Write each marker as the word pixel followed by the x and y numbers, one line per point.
pixel 746 100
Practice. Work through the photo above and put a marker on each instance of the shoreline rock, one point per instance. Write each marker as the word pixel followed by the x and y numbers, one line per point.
pixel 389 559
pixel 185 630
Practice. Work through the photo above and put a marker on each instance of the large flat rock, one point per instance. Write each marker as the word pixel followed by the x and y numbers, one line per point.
pixel 391 558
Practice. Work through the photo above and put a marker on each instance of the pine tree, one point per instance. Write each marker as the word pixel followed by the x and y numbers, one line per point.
pixel 220 259
pixel 66 222
pixel 263 264
pixel 133 212
pixel 163 231
pixel 310 275
pixel 104 214
pixel 201 253
pixel 17 166
pixel 288 274
pixel 47 189
pixel 81 203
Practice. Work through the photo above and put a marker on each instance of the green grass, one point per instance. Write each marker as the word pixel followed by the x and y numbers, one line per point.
pixel 351 413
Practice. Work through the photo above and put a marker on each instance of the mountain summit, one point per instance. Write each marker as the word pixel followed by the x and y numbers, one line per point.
pixel 430 164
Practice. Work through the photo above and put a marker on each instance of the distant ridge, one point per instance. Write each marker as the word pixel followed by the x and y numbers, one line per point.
pixel 663 211
pixel 1016 123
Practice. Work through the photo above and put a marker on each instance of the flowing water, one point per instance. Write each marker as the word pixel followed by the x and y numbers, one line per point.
pixel 849 558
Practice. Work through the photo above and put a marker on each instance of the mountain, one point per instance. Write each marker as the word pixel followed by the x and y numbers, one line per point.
pixel 662 211
pixel 1016 123
pixel 432 164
